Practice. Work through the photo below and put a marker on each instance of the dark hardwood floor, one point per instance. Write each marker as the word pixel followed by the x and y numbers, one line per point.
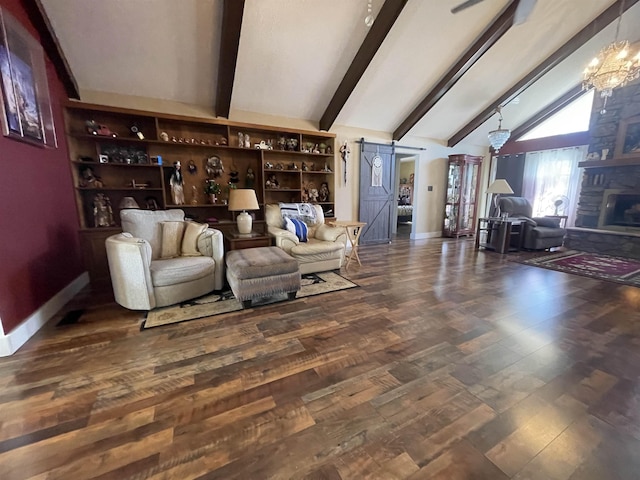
pixel 446 363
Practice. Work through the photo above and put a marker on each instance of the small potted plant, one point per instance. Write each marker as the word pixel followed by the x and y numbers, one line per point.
pixel 212 189
pixel 323 147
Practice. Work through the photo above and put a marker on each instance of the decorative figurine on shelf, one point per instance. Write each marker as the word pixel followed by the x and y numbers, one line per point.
pixel 135 129
pixel 234 178
pixel 223 141
pixel 282 143
pixel 316 149
pixel 176 182
pixel 247 141
pixel 102 211
pixel 192 167
pixel 88 179
pixel 214 166
pixel 164 136
pixel 313 195
pixel 305 167
pixel 241 139
pixel 250 178
pixel 344 153
pixel 194 195
pixel 95 128
pixel 323 193
pixel 272 182
pixel 292 144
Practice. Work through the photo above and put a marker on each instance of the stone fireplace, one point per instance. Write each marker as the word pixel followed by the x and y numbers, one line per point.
pixel 608 216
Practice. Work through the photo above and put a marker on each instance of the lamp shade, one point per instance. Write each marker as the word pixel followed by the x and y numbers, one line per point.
pixel 499 185
pixel 128 202
pixel 242 199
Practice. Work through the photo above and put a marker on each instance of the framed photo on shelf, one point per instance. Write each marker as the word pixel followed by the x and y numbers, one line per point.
pixel 25 106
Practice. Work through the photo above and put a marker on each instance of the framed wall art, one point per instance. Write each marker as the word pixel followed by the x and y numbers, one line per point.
pixel 25 103
pixel 628 140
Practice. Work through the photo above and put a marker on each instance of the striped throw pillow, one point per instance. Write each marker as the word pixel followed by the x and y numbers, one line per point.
pixel 298 228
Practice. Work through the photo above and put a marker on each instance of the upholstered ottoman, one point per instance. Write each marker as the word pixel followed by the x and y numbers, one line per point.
pixel 261 272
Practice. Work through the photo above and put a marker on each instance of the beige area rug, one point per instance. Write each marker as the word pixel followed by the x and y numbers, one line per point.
pixel 225 302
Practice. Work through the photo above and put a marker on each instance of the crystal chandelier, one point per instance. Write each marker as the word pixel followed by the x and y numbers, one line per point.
pixel 498 137
pixel 612 67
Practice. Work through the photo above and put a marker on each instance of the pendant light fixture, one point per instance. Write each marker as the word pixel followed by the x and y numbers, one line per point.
pixel 498 137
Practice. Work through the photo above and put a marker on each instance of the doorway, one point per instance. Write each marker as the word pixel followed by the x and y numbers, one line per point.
pixel 405 195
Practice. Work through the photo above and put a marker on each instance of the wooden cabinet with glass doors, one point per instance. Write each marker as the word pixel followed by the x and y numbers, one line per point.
pixel 461 202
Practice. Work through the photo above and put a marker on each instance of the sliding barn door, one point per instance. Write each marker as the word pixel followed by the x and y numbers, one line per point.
pixel 377 174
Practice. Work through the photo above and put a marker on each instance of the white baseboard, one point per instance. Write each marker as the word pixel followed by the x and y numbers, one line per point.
pixel 422 236
pixel 17 337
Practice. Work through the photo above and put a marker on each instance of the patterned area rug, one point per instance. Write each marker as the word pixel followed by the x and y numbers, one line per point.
pixel 225 302
pixel 602 267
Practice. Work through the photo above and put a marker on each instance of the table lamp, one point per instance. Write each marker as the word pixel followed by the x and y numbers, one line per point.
pixel 243 199
pixel 498 187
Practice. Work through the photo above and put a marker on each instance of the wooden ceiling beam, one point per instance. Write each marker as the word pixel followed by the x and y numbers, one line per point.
pixel 588 32
pixel 49 41
pixel 547 112
pixel 381 26
pixel 232 12
pixel 498 27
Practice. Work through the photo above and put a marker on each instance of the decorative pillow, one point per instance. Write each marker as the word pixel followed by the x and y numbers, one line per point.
pixel 297 227
pixel 172 233
pixel 190 239
pixel 302 211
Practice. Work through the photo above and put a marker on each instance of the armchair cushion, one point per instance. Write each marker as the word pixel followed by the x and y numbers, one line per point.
pixel 179 270
pixel 172 232
pixel 547 222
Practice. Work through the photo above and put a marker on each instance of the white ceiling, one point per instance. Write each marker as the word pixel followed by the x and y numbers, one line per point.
pixel 294 53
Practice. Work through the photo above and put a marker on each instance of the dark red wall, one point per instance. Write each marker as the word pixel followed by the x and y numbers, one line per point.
pixel 39 246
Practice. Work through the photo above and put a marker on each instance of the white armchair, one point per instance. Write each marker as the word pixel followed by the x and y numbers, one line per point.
pixel 159 259
pixel 325 248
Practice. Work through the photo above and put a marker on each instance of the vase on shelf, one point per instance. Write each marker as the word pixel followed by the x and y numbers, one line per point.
pixel 212 198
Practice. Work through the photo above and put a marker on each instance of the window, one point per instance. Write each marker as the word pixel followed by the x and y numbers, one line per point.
pixel 573 118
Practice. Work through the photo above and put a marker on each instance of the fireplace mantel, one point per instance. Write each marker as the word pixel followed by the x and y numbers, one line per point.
pixel 614 162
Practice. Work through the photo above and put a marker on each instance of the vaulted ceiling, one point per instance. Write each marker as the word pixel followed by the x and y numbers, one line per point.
pixel 416 71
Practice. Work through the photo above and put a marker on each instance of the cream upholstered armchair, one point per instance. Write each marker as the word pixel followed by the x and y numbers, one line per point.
pixel 160 259
pixel 324 248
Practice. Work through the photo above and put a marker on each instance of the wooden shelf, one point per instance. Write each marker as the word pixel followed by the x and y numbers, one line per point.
pixel 154 125
pixel 614 162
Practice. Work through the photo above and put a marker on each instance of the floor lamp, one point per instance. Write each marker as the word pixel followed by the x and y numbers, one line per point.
pixel 498 187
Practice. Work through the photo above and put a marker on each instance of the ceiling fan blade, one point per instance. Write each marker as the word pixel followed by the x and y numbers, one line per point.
pixel 464 5
pixel 523 10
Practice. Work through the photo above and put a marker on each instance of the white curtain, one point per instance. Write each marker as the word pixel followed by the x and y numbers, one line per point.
pixel 550 175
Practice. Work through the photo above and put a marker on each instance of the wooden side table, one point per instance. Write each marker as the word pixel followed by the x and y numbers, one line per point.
pixel 237 241
pixel 353 229
pixel 499 233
